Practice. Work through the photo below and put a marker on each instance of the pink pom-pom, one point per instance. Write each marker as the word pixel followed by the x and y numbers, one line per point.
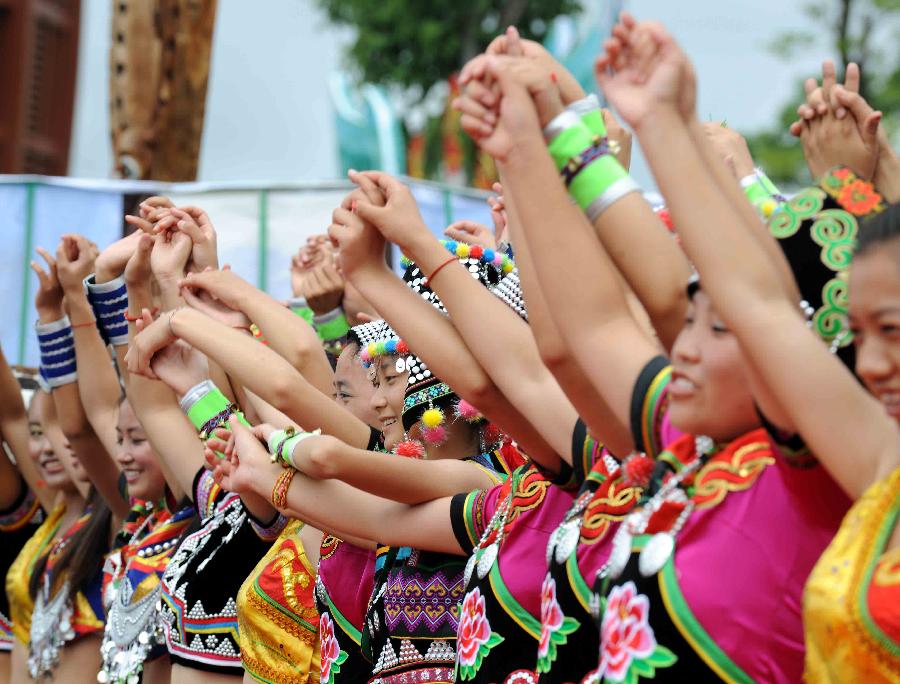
pixel 410 449
pixel 435 435
pixel 498 259
pixel 467 412
pixel 492 434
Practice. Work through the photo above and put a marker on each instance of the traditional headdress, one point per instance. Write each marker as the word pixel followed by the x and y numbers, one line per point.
pixel 817 230
pixel 428 398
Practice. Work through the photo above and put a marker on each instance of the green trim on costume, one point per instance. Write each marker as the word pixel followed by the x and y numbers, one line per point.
pixel 884 534
pixel 582 591
pixel 688 626
pixel 650 410
pixel 513 608
pixel 345 625
pixel 292 616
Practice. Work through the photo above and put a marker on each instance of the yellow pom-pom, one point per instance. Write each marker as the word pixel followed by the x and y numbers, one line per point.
pixel 372 349
pixel 462 250
pixel 769 207
pixel 507 267
pixel 432 417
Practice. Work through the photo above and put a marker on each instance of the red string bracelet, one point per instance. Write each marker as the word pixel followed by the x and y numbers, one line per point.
pixel 438 269
pixel 132 319
pixel 84 325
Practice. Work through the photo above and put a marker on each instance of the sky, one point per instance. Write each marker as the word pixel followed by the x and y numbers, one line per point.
pixel 269 115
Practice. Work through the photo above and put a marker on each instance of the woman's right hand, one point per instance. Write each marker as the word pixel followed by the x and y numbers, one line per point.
pixel 49 297
pixel 180 366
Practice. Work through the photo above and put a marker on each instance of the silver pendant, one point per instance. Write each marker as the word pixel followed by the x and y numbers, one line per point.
pixel 621 551
pixel 655 553
pixel 568 540
pixel 470 568
pixel 486 561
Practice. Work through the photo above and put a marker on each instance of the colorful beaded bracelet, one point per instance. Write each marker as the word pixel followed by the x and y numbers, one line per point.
pixel 485 255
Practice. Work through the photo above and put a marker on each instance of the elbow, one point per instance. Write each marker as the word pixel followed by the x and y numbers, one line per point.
pixel 554 353
pixel 280 391
pixel 481 391
pixel 321 463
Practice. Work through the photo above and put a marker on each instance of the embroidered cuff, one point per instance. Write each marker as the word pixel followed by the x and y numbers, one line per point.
pixel 110 304
pixel 195 393
pixel 563 121
pixel 270 531
pixel 57 348
pixel 588 110
pixel 332 325
pixel 299 306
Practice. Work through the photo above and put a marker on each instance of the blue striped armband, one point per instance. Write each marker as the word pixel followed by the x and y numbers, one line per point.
pixel 110 304
pixel 57 347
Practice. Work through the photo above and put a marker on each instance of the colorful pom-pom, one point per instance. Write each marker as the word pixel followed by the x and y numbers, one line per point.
pixel 433 417
pixel 462 250
pixel 492 434
pixel 638 469
pixel 489 255
pixel 507 266
pixel 391 346
pixel 410 448
pixel 402 348
pixel 435 435
pixel 476 251
pixel 467 412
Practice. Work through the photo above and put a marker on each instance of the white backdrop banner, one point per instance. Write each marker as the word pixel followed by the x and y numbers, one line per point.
pixel 259 225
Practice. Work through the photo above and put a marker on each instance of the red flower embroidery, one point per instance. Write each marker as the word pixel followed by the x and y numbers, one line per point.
pixel 331 655
pixel 859 197
pixel 551 615
pixel 625 633
pixel 474 629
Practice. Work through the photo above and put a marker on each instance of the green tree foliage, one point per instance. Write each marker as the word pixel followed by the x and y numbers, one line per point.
pixel 857 32
pixel 412 43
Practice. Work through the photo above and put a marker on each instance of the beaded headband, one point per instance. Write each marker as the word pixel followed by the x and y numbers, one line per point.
pixel 366 333
pixel 485 255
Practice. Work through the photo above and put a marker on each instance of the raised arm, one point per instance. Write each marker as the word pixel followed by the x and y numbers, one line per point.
pixel 499 339
pixel 846 428
pixel 256 367
pixel 577 277
pixel 74 260
pixel 432 335
pixel 287 334
pixel 14 429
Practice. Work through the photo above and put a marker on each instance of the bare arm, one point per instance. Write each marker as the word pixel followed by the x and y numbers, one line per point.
pixel 747 293
pixel 400 479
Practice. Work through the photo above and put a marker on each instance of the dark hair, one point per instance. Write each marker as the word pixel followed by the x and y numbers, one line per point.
pixel 878 229
pixel 84 555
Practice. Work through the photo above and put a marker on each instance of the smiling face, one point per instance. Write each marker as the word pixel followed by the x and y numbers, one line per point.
pixel 352 388
pixel 136 458
pixel 875 321
pixel 709 392
pixel 387 399
pixel 51 467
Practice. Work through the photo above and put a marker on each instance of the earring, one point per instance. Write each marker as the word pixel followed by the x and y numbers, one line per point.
pixel 434 431
pixel 410 448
